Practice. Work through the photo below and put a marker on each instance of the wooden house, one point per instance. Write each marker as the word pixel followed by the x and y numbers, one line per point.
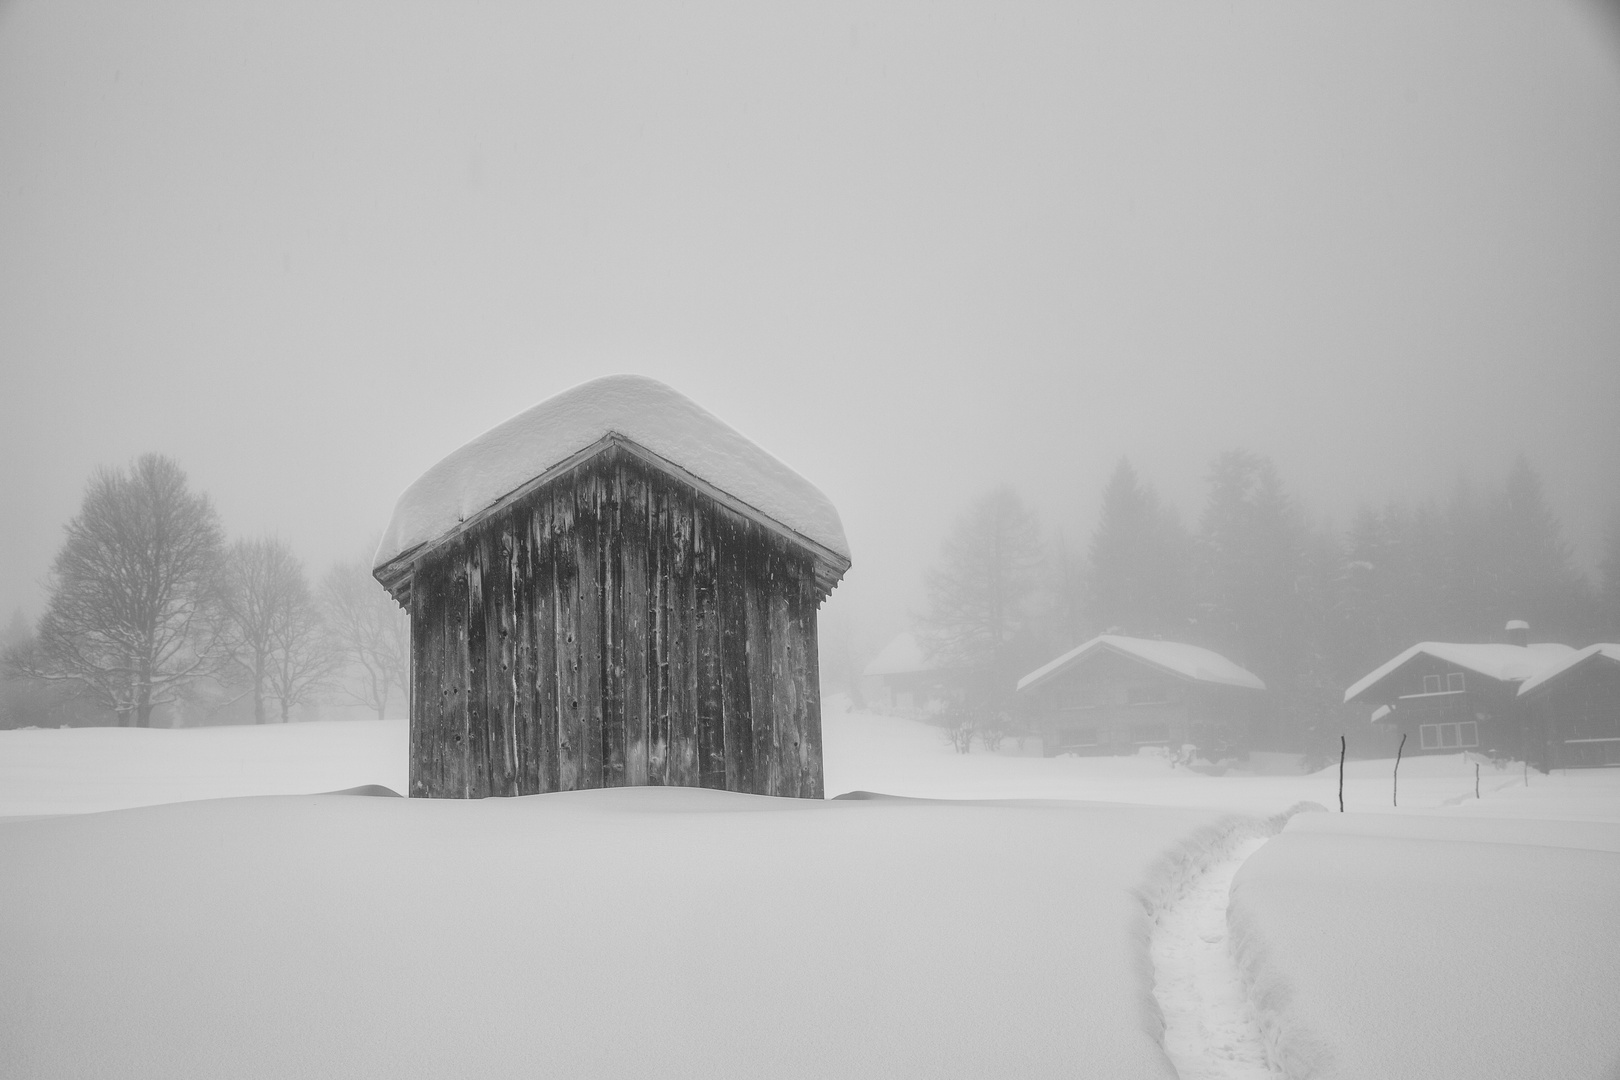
pixel 1116 694
pixel 1447 697
pixel 903 679
pixel 613 588
pixel 1574 708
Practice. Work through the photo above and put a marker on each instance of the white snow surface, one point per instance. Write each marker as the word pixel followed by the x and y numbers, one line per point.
pixel 1601 652
pixel 1177 658
pixel 642 410
pixel 903 655
pixel 1422 947
pixel 628 932
pixel 1505 663
pixel 999 923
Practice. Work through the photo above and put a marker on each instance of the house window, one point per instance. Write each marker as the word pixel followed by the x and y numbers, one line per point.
pixel 1150 733
pixel 1454 681
pixel 1145 694
pixel 1457 736
pixel 1077 736
pixel 1431 684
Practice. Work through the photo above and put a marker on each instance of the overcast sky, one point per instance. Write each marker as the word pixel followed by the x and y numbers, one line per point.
pixel 912 249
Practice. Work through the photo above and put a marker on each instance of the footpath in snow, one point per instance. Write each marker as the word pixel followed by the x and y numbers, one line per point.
pixel 1209 1031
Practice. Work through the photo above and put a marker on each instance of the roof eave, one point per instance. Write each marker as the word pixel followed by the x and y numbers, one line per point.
pixel 830 566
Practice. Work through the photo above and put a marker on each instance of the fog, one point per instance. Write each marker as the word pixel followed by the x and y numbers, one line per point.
pixel 916 250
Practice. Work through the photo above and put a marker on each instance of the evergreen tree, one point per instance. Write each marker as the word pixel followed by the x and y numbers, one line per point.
pixel 1255 579
pixel 1532 575
pixel 1139 580
pixel 980 597
pixel 1608 600
pixel 1252 543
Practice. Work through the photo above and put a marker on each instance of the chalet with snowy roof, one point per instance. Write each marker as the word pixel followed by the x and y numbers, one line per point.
pixel 904 679
pixel 613 588
pixel 1116 694
pixel 1448 697
pixel 1573 706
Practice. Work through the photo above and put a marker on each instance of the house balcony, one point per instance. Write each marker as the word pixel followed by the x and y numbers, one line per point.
pixel 1445 707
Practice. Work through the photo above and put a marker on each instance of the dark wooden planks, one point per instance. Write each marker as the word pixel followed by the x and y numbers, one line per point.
pixel 542 617
pixel 682 638
pixel 614 617
pixel 565 633
pixel 658 645
pixel 732 585
pixel 588 556
pixel 633 591
pixel 805 671
pixel 761 688
pixel 615 627
pixel 711 745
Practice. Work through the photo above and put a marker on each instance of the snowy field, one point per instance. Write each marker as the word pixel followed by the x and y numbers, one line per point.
pixel 1015 916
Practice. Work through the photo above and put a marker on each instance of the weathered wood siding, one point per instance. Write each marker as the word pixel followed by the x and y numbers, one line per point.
pixel 614 627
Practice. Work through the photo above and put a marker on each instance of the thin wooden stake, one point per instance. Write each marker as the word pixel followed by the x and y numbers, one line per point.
pixel 1341 774
pixel 1476 779
pixel 1395 796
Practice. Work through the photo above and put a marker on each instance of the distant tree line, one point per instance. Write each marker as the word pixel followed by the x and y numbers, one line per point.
pixel 1307 607
pixel 152 614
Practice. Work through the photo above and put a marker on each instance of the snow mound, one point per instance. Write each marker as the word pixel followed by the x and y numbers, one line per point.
pixel 638 409
pixel 1175 657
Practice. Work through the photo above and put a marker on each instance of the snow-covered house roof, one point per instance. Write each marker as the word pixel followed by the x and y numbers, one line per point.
pixel 903 655
pixel 1504 663
pixel 1601 653
pixel 1175 658
pixel 650 419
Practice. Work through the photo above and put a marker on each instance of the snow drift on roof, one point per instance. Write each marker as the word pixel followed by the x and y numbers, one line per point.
pixel 1181 660
pixel 1504 663
pixel 642 410
pixel 901 656
pixel 1605 649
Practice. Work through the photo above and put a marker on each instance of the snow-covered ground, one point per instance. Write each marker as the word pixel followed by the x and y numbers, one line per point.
pixel 1014 916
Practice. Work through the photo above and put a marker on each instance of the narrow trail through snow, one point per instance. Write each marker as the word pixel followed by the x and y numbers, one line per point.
pixel 1209 1031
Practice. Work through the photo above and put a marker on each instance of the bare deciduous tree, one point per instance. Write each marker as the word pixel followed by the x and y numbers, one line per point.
pixel 133 610
pixel 371 633
pixel 303 657
pixel 275 630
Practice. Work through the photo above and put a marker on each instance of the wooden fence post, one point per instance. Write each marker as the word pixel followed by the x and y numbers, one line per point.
pixel 1341 774
pixel 1395 795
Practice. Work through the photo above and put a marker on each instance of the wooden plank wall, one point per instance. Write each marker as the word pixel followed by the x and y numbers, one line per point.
pixel 614 628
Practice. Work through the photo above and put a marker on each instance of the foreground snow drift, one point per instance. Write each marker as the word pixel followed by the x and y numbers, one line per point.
pixel 78 770
pixel 1434 947
pixel 657 932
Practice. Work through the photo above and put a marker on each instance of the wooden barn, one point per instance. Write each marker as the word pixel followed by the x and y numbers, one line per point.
pixel 1447 697
pixel 1116 694
pixel 613 588
pixel 1574 707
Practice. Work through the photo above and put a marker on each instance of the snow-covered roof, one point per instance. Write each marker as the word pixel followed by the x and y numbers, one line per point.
pixel 1381 713
pixel 904 655
pixel 1173 657
pixel 1504 663
pixel 633 408
pixel 1607 650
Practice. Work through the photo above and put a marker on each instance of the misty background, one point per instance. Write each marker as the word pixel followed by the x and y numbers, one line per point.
pixel 915 252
